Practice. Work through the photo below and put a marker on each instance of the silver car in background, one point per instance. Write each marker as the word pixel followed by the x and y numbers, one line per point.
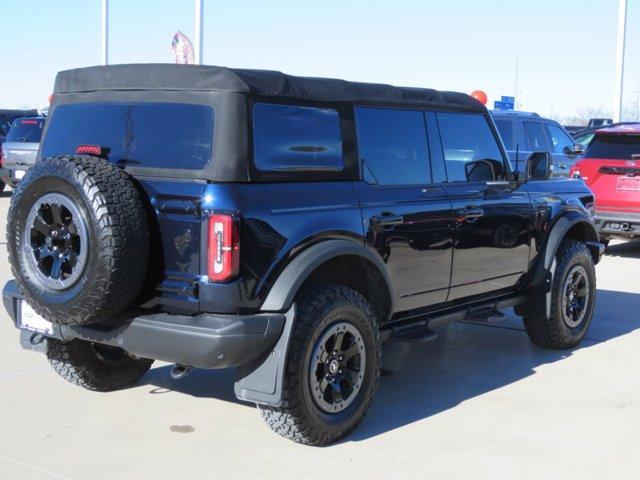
pixel 20 148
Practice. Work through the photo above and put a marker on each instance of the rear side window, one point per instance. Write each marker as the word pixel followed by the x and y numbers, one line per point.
pixel 616 147
pixel 467 138
pixel 25 130
pixel 392 146
pixel 157 135
pixel 505 127
pixel 294 138
pixel 535 136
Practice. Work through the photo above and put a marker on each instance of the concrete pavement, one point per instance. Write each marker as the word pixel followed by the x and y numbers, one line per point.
pixel 479 402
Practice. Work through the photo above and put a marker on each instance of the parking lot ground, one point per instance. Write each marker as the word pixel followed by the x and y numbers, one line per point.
pixel 478 402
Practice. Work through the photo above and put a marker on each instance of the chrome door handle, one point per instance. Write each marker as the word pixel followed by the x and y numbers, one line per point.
pixel 387 220
pixel 472 213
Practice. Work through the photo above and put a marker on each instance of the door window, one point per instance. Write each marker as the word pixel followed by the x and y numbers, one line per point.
pixel 535 136
pixel 392 146
pixel 559 139
pixel 471 152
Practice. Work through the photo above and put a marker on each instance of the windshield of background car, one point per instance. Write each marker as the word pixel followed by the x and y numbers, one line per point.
pixel 617 147
pixel 156 135
pixel 25 130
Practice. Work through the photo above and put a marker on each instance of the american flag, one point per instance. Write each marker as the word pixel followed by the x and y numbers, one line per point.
pixel 182 49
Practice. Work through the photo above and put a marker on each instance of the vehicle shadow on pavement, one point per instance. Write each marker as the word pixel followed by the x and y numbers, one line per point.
pixel 421 380
pixel 628 249
pixel 5 194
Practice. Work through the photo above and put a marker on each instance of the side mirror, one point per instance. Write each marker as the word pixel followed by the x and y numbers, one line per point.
pixel 577 149
pixel 539 166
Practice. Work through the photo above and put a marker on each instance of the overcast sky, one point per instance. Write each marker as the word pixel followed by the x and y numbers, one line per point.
pixel 566 48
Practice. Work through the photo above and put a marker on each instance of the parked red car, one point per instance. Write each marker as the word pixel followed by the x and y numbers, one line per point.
pixel 610 166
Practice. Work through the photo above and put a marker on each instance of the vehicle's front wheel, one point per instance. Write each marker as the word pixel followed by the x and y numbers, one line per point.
pixel 573 294
pixel 332 370
pixel 95 367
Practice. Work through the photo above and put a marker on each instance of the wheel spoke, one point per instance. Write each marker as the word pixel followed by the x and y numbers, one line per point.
pixel 73 230
pixel 351 352
pixel 43 252
pixel 56 267
pixel 56 212
pixel 41 226
pixel 324 383
pixel 337 392
pixel 338 343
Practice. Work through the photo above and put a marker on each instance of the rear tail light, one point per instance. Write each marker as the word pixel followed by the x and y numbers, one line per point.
pixel 223 259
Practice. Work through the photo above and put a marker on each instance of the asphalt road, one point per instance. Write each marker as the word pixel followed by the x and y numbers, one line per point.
pixel 479 402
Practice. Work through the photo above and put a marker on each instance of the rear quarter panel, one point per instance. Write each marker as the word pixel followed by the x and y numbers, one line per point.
pixel 278 220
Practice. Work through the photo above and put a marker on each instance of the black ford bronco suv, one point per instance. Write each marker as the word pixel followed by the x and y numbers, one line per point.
pixel 286 226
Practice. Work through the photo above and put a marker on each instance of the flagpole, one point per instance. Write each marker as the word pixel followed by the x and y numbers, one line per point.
pixel 198 31
pixel 622 32
pixel 105 32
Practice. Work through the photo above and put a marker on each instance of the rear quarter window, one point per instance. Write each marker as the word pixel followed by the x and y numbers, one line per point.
pixel 291 138
pixel 153 135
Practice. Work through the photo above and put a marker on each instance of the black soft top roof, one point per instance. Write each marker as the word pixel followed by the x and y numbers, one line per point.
pixel 263 83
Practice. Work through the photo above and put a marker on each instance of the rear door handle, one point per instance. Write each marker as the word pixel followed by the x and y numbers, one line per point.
pixel 387 220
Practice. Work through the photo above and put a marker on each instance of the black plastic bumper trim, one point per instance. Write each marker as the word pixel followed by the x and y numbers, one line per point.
pixel 202 341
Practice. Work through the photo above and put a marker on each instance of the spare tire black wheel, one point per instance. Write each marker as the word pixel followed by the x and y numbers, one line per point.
pixel 78 240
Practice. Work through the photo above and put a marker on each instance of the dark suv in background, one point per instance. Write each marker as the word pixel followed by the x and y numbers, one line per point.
pixel 523 133
pixel 286 226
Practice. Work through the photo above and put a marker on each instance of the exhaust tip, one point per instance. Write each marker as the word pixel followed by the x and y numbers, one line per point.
pixel 179 371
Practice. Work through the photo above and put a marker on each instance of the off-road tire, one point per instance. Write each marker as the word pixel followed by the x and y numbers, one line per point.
pixel 82 364
pixel 553 332
pixel 118 239
pixel 299 418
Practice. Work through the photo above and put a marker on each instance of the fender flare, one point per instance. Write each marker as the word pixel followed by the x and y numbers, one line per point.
pixel 284 289
pixel 262 381
pixel 541 281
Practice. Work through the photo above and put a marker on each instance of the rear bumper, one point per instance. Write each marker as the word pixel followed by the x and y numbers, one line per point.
pixel 202 341
pixel 617 223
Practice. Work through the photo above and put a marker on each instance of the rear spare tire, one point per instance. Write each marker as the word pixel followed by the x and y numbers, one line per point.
pixel 78 240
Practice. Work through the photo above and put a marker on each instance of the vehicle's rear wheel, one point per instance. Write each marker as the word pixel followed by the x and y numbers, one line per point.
pixel 78 240
pixel 573 294
pixel 332 369
pixel 95 367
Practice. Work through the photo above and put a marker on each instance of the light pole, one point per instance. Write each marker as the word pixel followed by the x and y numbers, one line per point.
pixel 198 31
pixel 105 32
pixel 622 32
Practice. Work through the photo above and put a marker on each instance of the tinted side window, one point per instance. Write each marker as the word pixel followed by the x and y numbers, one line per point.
pixel 559 139
pixel 467 138
pixel 505 127
pixel 392 146
pixel 294 138
pixel 535 136
pixel 158 135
